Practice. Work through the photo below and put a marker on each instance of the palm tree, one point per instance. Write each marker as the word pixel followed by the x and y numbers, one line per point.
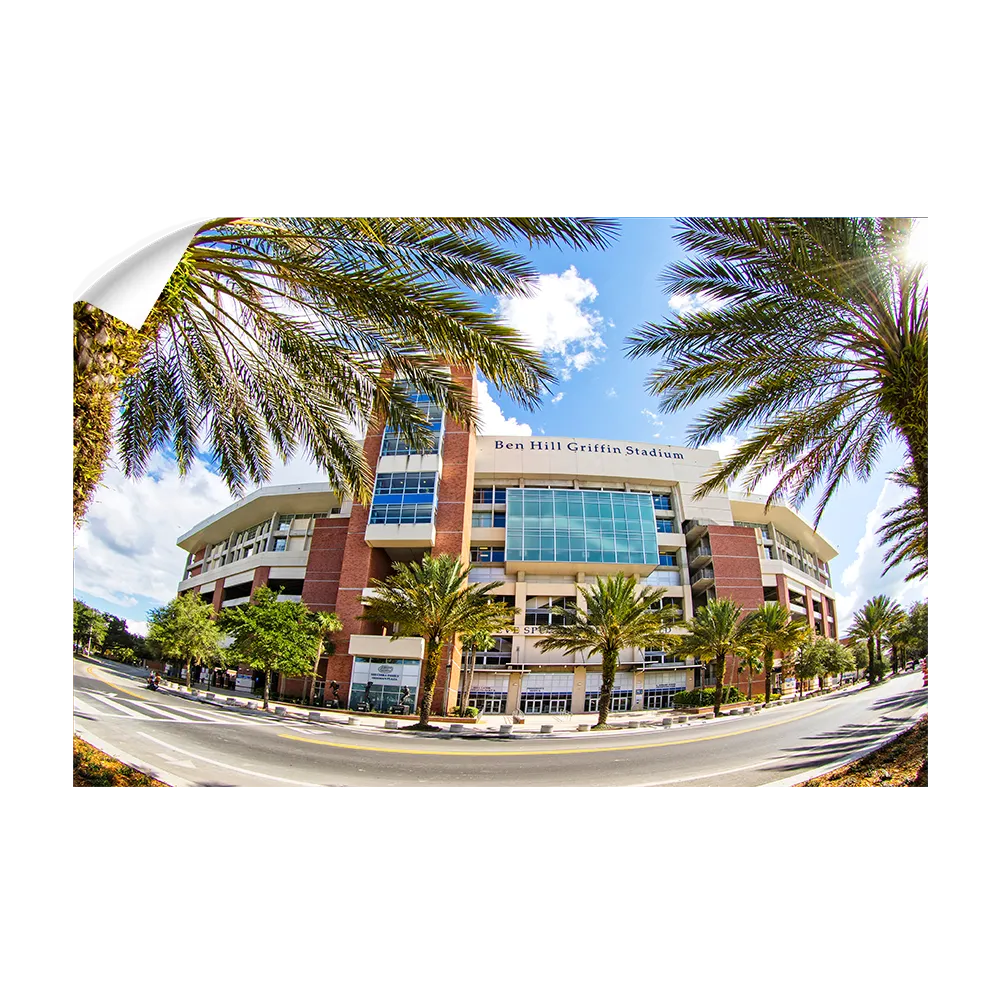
pixel 864 629
pixel 776 630
pixel 904 529
pixel 751 663
pixel 899 640
pixel 875 621
pixel 715 632
pixel 889 616
pixel 289 331
pixel 471 641
pixel 814 332
pixel 433 599
pixel 326 622
pixel 618 614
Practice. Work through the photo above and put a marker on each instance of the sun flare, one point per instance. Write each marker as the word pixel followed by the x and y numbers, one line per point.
pixel 917 248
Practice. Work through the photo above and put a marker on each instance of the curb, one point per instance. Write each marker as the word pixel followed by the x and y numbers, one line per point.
pixel 645 728
pixel 818 772
pixel 173 780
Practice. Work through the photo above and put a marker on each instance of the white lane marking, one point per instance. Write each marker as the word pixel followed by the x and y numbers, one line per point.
pixel 171 759
pixel 228 767
pixel 712 774
pixel 118 708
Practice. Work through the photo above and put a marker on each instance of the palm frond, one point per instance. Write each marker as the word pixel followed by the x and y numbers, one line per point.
pixel 815 346
pixel 283 333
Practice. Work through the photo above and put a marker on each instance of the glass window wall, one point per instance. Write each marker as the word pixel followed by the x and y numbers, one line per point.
pixel 596 526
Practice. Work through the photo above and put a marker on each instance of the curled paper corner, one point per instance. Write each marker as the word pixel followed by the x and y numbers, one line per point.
pixel 130 289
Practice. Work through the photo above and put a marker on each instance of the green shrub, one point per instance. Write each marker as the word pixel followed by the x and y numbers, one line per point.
pixel 468 713
pixel 701 697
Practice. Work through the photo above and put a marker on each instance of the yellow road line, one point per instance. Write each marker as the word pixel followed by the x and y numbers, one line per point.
pixel 104 680
pixel 547 753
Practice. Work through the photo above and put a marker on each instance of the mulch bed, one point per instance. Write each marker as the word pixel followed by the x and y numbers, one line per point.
pixel 901 763
pixel 93 769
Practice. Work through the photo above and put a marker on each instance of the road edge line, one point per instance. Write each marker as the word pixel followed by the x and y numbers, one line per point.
pixel 173 780
pixel 818 772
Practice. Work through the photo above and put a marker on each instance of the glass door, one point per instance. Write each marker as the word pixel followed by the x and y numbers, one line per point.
pixel 532 703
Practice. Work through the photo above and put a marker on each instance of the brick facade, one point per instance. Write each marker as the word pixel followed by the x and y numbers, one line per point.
pixel 453 526
pixel 736 562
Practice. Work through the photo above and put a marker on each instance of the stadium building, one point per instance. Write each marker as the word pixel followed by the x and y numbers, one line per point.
pixel 540 515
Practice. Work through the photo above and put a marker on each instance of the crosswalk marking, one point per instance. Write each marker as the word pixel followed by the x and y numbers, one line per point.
pixel 159 711
pixel 180 714
pixel 81 706
pixel 117 705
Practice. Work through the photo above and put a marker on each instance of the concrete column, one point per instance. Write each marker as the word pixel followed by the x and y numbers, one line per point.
pixel 782 585
pixel 638 688
pixel 579 697
pixel 520 599
pixel 809 609
pixel 513 693
pixel 519 644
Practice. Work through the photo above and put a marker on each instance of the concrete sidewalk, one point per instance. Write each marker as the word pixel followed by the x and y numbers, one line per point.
pixel 542 726
pixel 534 726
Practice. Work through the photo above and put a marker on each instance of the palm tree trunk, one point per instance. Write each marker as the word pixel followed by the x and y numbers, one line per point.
pixel 267 685
pixel 469 657
pixel 871 660
pixel 106 350
pixel 768 666
pixel 720 676
pixel 609 667
pixel 431 667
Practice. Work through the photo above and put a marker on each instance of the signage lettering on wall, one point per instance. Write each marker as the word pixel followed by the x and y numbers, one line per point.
pixel 599 449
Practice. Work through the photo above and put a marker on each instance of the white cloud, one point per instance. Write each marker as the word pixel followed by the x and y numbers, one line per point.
pixel 863 579
pixel 127 548
pixel 126 551
pixel 491 418
pixel 558 396
pixel 611 393
pixel 652 417
pixel 687 305
pixel 553 319
pixel 137 628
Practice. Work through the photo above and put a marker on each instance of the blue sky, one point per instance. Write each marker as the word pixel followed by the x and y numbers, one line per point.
pixel 586 305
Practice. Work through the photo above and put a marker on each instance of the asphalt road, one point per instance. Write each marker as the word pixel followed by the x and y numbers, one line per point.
pixel 196 744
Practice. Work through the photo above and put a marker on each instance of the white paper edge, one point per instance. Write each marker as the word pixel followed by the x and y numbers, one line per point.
pixel 130 288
